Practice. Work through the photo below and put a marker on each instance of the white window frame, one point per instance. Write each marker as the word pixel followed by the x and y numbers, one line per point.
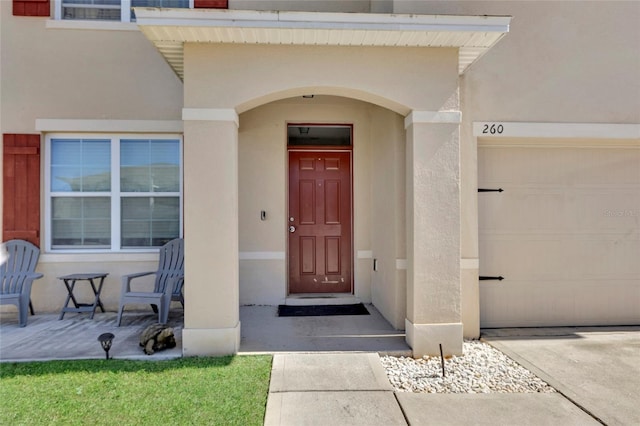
pixel 114 194
pixel 125 11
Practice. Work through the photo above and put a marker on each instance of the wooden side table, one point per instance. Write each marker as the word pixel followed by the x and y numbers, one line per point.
pixel 70 283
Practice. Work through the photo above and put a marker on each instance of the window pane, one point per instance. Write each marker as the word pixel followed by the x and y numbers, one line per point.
pixel 93 2
pixel 104 10
pixel 81 222
pixel 149 221
pixel 158 3
pixel 80 165
pixel 150 166
pixel 301 135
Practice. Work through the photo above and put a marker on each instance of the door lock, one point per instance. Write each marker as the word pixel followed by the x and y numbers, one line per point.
pixel 292 229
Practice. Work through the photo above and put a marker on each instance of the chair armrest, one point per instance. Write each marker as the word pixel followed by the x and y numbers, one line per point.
pixel 126 279
pixel 35 275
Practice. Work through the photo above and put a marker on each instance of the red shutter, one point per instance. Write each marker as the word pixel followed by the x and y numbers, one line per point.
pixel 211 4
pixel 21 188
pixel 31 8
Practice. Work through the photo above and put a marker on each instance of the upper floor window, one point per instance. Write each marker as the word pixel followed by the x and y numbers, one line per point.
pixel 110 10
pixel 112 192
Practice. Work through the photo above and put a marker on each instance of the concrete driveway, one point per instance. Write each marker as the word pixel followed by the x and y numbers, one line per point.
pixel 597 368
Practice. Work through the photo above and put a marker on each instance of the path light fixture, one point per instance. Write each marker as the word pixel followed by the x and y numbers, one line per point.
pixel 105 340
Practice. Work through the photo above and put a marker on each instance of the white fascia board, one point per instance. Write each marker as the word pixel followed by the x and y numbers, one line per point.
pixel 110 126
pixel 505 129
pixel 66 24
pixel 316 20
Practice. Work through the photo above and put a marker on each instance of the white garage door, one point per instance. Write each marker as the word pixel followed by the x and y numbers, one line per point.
pixel 565 234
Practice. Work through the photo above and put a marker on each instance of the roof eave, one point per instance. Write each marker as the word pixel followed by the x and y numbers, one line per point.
pixel 169 29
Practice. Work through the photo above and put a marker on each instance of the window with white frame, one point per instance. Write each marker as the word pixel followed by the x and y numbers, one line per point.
pixel 113 193
pixel 110 10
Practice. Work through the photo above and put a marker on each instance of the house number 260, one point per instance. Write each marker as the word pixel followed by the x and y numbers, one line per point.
pixel 492 129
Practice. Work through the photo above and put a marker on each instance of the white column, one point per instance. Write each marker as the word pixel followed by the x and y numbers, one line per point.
pixel 212 305
pixel 433 233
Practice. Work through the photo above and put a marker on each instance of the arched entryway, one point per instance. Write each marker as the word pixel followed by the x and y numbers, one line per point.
pixel 408 65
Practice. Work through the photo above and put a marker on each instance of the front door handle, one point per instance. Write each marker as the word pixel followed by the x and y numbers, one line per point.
pixel 292 229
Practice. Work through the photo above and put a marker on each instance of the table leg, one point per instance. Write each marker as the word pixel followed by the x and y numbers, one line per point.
pixel 70 296
pixel 96 292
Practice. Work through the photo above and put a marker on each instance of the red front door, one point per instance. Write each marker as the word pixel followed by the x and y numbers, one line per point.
pixel 320 250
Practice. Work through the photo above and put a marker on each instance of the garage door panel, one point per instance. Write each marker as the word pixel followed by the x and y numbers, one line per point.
pixel 525 304
pixel 574 209
pixel 558 256
pixel 509 166
pixel 559 166
pixel 565 234
pixel 533 303
pixel 532 259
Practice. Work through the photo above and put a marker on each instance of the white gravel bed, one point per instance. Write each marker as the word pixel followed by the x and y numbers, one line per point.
pixel 482 369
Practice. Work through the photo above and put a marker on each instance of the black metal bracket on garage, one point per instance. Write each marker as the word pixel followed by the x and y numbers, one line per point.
pixel 490 190
pixel 485 278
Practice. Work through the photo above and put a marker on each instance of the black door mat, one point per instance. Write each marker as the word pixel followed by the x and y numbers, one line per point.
pixel 321 310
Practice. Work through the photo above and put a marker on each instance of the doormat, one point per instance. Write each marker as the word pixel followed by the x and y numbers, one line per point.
pixel 321 310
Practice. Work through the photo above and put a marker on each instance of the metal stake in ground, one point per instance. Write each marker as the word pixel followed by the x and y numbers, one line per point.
pixel 442 360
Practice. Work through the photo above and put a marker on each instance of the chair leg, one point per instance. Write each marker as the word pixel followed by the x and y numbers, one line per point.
pixel 163 315
pixel 23 312
pixel 120 313
pixel 31 307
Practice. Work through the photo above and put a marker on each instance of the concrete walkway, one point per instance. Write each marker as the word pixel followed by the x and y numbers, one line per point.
pixel 353 390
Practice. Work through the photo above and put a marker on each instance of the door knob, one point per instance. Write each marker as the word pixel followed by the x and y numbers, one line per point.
pixel 292 229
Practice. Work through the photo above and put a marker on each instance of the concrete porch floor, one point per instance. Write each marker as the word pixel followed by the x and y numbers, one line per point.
pixel 75 337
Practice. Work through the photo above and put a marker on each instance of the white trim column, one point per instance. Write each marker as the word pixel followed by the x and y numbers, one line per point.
pixel 212 304
pixel 433 233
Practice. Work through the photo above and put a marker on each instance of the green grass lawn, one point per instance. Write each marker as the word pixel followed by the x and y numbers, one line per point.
pixel 187 391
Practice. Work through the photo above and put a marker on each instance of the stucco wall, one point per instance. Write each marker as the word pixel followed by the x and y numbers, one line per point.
pixel 80 74
pixel 263 186
pixel 63 73
pixel 253 80
pixel 560 62
pixel 388 215
pixel 247 76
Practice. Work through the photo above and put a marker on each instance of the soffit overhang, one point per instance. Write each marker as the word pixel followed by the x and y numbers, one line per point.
pixel 170 29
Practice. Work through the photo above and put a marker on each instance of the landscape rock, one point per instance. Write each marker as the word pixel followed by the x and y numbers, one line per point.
pixel 481 369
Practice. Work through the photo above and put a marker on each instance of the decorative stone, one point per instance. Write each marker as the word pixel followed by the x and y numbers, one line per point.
pixel 482 369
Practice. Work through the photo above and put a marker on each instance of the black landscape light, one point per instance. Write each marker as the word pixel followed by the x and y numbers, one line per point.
pixel 105 340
